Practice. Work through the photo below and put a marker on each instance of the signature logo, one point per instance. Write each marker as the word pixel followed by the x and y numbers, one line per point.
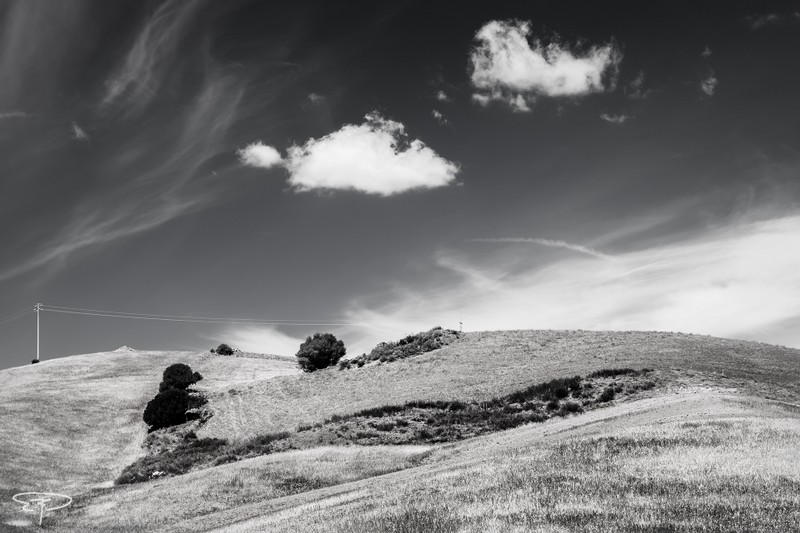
pixel 40 502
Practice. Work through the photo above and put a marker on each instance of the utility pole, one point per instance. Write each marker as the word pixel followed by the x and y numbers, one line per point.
pixel 37 309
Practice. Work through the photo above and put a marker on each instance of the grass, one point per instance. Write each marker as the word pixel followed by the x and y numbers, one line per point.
pixel 85 412
pixel 64 405
pixel 731 474
pixel 168 501
pixel 482 366
pixel 415 422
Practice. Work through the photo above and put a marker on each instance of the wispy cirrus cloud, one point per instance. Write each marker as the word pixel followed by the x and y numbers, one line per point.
pixel 152 56
pixel 507 67
pixel 547 242
pixel 153 178
pixel 30 65
pixel 756 22
pixel 13 114
pixel 737 281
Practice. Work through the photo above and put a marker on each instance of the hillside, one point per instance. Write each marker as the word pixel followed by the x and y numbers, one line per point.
pixel 71 423
pixel 723 403
pixel 481 365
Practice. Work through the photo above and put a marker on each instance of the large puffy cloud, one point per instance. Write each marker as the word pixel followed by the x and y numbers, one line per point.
pixel 740 281
pixel 375 157
pixel 507 67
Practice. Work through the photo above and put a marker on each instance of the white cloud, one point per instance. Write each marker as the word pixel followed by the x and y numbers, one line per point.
pixel 615 119
pixel 259 155
pixel 440 118
pixel 316 99
pixel 262 340
pixel 78 133
pixel 548 242
pixel 740 281
pixel 375 157
pixel 13 114
pixel 706 52
pixel 442 96
pixel 506 67
pixel 757 22
pixel 709 84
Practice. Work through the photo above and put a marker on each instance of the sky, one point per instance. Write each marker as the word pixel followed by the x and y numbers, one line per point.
pixel 375 169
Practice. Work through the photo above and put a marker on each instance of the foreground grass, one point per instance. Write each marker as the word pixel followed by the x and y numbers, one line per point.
pixel 157 504
pixel 712 476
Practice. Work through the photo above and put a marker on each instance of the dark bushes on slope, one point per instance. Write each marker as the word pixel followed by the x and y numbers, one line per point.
pixel 419 343
pixel 178 376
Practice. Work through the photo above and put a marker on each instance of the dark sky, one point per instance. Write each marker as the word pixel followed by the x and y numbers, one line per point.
pixel 395 166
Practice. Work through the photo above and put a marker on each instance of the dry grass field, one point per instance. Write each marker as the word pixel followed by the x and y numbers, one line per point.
pixel 486 364
pixel 696 460
pixel 712 450
pixel 68 424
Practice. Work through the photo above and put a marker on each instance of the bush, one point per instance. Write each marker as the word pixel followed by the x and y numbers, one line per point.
pixel 426 341
pixel 178 376
pixel 612 372
pixel 167 409
pixel 607 395
pixel 320 351
pixel 224 349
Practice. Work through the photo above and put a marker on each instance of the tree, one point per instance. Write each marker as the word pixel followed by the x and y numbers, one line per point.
pixel 178 376
pixel 320 351
pixel 168 408
pixel 224 349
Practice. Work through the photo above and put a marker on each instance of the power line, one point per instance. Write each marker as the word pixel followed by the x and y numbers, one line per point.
pixel 15 316
pixel 191 319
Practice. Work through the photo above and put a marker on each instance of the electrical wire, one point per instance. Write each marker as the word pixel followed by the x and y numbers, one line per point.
pixel 15 316
pixel 191 319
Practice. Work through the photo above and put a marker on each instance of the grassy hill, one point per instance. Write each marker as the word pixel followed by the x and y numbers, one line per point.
pixel 485 364
pixel 71 423
pixel 718 433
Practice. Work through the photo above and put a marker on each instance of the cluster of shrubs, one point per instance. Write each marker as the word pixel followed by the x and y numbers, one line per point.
pixel 193 453
pixel 171 405
pixel 223 349
pixel 408 346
